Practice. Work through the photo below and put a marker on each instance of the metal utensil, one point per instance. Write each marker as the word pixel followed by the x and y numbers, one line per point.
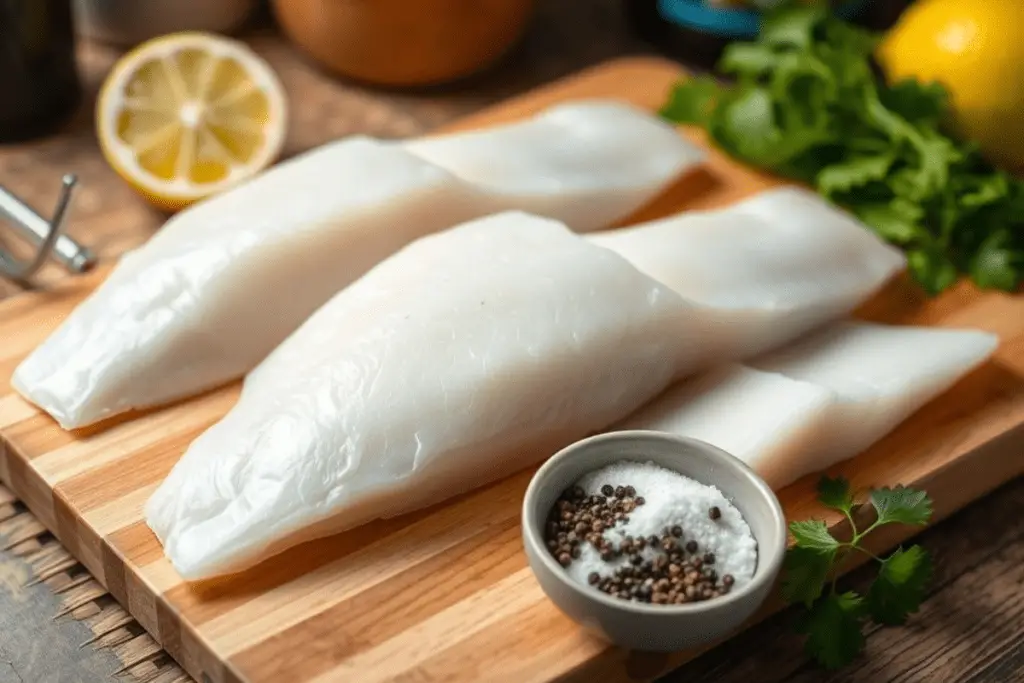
pixel 46 235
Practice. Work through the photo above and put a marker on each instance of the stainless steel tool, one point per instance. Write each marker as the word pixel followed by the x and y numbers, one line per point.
pixel 46 235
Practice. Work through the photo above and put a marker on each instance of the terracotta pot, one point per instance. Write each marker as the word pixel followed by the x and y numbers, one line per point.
pixel 404 42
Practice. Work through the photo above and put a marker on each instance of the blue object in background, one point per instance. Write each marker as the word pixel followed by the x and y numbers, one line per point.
pixel 731 22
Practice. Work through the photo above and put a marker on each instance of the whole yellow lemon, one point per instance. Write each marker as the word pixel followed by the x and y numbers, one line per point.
pixel 975 48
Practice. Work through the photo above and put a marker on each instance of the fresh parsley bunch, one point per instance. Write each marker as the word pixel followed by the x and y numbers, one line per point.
pixel 834 620
pixel 808 104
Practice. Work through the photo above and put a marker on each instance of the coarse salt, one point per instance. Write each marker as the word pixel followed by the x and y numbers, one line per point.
pixel 671 499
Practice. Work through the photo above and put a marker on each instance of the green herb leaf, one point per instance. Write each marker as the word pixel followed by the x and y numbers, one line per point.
pixel 746 124
pixel 929 171
pixel 900 587
pixel 901 504
pixel 808 105
pixel 803 89
pixel 920 103
pixel 932 269
pixel 997 265
pixel 748 59
pixel 833 627
pixel 854 172
pixel 835 493
pixel 849 43
pixel 814 535
pixel 897 221
pixel 833 621
pixel 792 27
pixel 984 190
pixel 805 571
pixel 692 101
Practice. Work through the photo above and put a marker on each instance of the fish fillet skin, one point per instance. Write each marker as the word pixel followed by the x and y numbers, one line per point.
pixel 225 281
pixel 767 420
pixel 464 357
pixel 820 401
pixel 770 268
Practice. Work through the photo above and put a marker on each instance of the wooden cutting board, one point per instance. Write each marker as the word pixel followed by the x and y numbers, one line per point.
pixel 446 594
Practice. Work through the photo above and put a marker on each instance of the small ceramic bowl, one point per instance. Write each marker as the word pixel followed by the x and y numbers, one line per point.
pixel 638 626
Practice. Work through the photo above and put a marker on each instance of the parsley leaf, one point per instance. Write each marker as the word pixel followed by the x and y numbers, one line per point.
pixel 983 190
pixel 835 493
pixel 996 264
pixel 833 620
pixel 900 587
pixel 853 172
pixel 813 534
pixel 897 220
pixel 902 505
pixel 747 124
pixel 919 103
pixel 806 104
pixel 794 27
pixel 804 574
pixel 692 101
pixel 833 627
pixel 932 269
pixel 750 59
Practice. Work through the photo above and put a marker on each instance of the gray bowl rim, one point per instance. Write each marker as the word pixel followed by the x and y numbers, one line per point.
pixel 761 576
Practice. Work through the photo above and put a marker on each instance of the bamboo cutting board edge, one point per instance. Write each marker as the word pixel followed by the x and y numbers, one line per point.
pixel 31 464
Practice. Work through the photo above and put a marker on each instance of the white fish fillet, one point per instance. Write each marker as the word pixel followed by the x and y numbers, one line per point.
pixel 464 357
pixel 880 375
pixel 321 364
pixel 771 267
pixel 224 282
pixel 767 420
pixel 819 401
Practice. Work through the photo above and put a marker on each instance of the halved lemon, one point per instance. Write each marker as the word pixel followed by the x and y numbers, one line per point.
pixel 188 115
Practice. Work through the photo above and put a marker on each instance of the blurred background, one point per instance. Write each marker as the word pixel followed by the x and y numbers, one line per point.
pixel 105 88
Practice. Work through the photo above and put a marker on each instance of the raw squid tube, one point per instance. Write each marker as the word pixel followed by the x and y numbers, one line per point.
pixel 767 269
pixel 464 357
pixel 820 401
pixel 225 281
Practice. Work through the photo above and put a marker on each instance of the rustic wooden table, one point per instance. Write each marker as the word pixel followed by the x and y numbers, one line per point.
pixel 971 628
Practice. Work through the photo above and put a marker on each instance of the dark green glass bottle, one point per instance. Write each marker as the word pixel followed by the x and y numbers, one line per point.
pixel 39 82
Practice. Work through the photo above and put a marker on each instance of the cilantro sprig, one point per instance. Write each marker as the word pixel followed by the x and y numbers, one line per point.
pixel 833 621
pixel 807 104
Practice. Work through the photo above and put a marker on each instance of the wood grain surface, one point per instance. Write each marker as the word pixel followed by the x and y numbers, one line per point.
pixel 57 624
pixel 970 628
pixel 444 593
